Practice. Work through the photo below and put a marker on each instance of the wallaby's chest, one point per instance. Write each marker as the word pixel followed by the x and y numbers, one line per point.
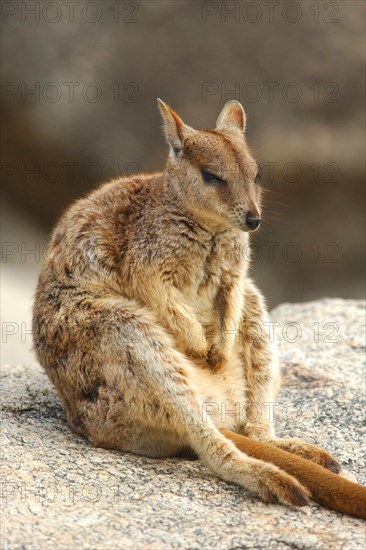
pixel 201 276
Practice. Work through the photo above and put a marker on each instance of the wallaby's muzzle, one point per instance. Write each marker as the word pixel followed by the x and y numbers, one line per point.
pixel 252 221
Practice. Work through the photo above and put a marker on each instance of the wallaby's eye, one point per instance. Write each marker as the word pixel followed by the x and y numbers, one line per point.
pixel 258 177
pixel 209 177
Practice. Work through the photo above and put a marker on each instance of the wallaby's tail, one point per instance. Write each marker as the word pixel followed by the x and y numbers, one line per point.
pixel 329 489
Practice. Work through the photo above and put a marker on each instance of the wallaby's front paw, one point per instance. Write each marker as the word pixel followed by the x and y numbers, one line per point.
pixel 310 452
pixel 275 485
pixel 198 353
pixel 216 358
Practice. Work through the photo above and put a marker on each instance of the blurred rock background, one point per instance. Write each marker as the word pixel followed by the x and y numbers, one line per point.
pixel 79 87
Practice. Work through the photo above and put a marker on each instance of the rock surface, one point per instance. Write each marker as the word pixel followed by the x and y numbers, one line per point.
pixel 58 492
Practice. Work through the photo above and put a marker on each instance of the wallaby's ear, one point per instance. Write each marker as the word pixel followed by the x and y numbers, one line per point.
pixel 174 126
pixel 232 117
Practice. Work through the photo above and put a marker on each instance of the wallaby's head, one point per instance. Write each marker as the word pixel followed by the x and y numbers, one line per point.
pixel 213 170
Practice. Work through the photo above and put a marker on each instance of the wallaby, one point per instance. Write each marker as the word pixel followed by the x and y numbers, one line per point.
pixel 148 325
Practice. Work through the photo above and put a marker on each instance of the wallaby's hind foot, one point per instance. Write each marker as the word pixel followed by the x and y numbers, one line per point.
pixel 275 485
pixel 294 445
pixel 327 488
pixel 309 452
pixel 260 478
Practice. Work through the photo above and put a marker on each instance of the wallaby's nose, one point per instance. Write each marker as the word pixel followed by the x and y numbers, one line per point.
pixel 252 220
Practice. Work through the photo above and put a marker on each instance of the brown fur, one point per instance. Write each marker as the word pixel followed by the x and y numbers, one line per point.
pixel 144 311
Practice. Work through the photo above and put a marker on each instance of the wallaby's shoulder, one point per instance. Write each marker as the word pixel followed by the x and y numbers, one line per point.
pixel 95 230
pixel 110 203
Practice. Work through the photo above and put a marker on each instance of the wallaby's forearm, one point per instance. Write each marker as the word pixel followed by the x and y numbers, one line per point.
pixel 176 316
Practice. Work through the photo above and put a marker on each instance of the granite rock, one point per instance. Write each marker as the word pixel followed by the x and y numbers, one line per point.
pixel 58 492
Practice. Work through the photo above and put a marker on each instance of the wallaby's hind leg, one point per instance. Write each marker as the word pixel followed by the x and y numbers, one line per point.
pixel 261 372
pixel 148 405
